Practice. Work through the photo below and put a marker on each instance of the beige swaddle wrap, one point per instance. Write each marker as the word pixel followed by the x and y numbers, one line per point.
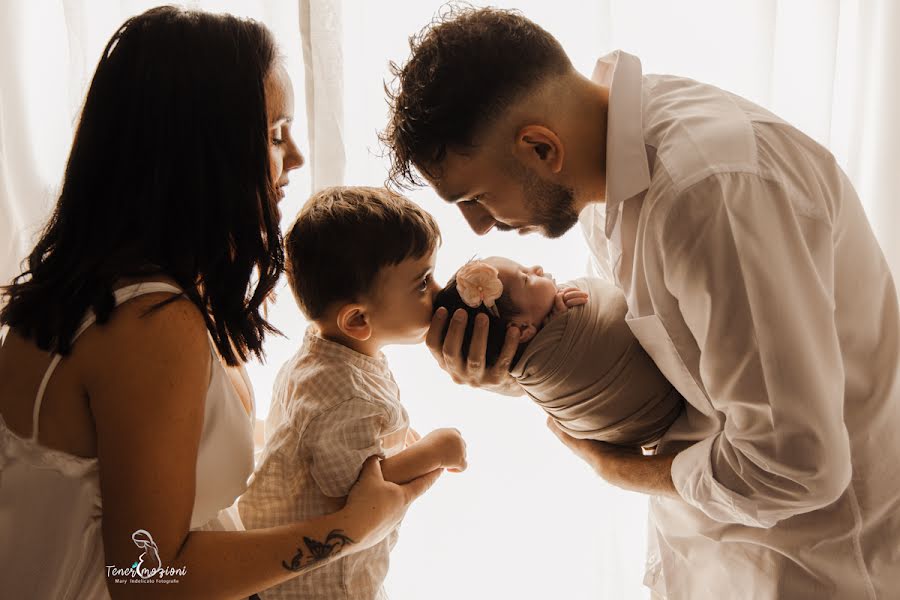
pixel 587 370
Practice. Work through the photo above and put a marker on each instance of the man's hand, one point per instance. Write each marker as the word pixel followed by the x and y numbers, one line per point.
pixel 472 371
pixel 623 466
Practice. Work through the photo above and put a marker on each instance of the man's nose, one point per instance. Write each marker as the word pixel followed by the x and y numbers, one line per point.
pixel 479 220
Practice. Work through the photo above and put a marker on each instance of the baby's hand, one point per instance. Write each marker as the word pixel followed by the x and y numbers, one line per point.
pixel 451 448
pixel 566 298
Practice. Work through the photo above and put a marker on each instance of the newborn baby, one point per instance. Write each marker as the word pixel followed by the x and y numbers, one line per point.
pixel 577 357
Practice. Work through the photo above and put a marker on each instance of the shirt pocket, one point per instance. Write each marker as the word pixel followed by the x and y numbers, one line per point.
pixel 655 340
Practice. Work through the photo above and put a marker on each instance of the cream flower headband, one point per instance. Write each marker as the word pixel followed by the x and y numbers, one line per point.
pixel 478 283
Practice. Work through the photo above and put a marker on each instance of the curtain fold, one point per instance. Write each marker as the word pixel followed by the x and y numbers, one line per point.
pixel 321 32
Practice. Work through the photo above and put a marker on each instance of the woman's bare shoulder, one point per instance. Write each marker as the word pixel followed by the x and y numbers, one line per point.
pixel 138 337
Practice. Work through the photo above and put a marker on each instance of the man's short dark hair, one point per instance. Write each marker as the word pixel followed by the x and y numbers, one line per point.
pixel 344 236
pixel 465 68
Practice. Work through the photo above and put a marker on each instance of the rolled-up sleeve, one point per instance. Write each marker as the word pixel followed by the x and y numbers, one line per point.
pixel 338 441
pixel 750 262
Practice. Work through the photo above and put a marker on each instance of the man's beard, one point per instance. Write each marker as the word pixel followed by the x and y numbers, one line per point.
pixel 551 206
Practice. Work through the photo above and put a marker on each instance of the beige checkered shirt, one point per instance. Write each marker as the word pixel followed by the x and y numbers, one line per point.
pixel 331 409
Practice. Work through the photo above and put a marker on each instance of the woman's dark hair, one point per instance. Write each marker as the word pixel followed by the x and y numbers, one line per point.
pixel 168 174
pixel 466 67
pixel 449 298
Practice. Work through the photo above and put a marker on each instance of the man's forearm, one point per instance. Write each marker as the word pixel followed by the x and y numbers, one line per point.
pixel 623 467
pixel 645 474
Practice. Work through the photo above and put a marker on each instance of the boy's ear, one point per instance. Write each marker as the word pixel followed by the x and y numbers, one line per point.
pixel 527 330
pixel 353 321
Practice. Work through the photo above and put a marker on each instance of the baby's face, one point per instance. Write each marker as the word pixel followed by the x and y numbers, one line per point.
pixel 531 290
pixel 401 300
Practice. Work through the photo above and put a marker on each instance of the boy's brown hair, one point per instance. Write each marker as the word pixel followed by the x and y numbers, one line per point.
pixel 344 236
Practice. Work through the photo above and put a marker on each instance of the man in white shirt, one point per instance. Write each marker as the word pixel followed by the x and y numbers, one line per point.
pixel 752 278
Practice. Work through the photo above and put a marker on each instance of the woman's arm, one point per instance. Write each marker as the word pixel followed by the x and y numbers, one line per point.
pixel 146 380
pixel 235 564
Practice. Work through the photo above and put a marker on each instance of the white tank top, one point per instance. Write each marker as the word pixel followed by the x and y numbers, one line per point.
pixel 50 507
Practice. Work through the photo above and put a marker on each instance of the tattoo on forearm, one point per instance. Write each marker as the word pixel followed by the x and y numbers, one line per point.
pixel 318 551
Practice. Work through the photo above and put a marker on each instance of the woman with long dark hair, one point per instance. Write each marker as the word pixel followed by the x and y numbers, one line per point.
pixel 125 414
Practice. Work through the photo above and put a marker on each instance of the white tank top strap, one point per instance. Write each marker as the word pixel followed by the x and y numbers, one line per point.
pixel 122 294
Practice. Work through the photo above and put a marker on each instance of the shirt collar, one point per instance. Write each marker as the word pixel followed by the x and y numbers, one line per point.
pixel 332 351
pixel 627 169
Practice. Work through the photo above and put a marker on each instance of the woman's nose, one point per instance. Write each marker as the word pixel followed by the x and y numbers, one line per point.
pixel 293 158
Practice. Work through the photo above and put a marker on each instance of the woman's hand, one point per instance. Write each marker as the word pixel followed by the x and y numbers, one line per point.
pixel 377 505
pixel 472 371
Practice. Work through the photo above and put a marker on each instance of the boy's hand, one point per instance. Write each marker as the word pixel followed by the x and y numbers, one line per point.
pixel 567 298
pixel 451 448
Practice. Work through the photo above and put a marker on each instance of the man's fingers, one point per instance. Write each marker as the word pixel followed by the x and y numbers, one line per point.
pixel 552 426
pixel 478 348
pixel 433 338
pixel 507 352
pixel 420 485
pixel 453 342
pixel 564 437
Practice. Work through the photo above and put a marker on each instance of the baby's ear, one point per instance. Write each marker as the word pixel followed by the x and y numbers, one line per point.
pixel 353 321
pixel 527 329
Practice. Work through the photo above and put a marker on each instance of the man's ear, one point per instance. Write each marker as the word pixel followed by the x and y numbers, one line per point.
pixel 527 330
pixel 539 148
pixel 353 321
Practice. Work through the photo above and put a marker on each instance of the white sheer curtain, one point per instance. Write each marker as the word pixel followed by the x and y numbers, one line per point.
pixel 527 520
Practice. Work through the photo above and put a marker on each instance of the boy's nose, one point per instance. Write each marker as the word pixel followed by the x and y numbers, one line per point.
pixel 435 290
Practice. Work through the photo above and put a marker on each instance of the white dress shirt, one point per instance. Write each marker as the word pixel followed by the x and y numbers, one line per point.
pixel 754 281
